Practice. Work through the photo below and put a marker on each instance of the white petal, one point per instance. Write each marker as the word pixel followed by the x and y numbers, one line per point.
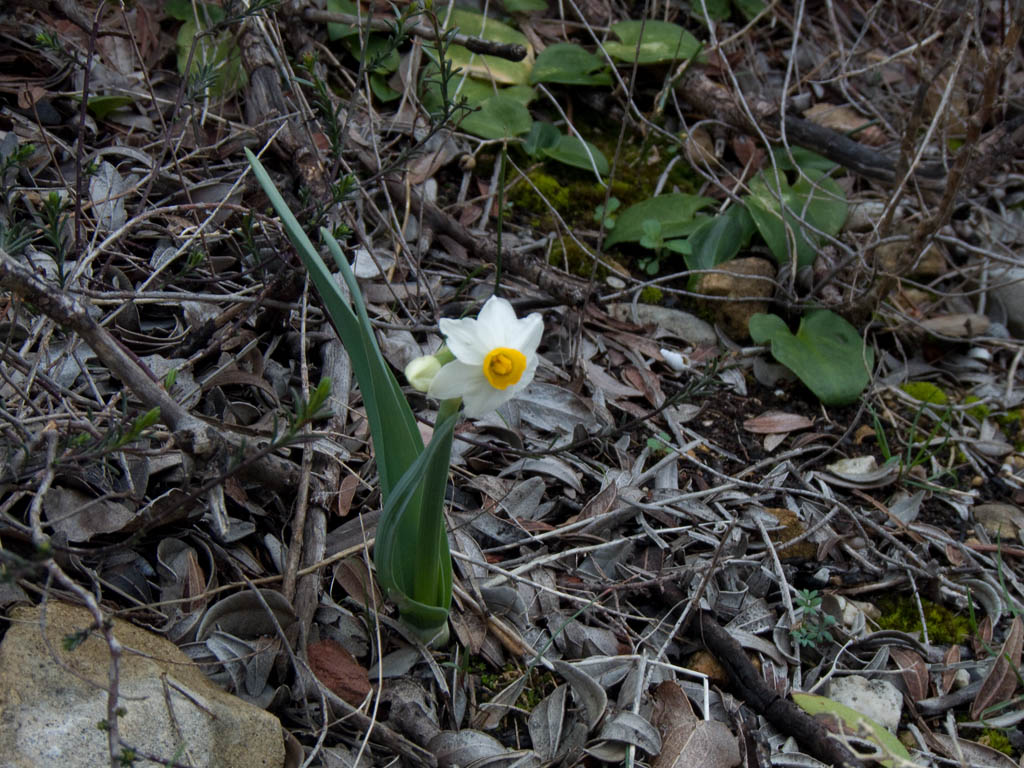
pixel 455 378
pixel 496 321
pixel 464 340
pixel 527 334
pixel 482 398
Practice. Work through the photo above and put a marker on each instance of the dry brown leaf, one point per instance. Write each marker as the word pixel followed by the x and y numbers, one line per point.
pixel 747 152
pixel 351 575
pixel 863 432
pixel 687 741
pixel 1001 681
pixel 914 672
pixel 983 637
pixel 600 504
pixel 846 120
pixel 346 492
pixel 974 754
pixel 959 326
pixel 955 556
pixel 700 148
pixel 338 669
pixel 776 422
pixel 949 674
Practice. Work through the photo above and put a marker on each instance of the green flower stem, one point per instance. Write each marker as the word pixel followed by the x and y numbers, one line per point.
pixel 432 539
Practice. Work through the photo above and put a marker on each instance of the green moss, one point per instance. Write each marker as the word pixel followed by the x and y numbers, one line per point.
pixel 538 195
pixel 996 740
pixel 540 682
pixel 1010 418
pixel 900 612
pixel 926 392
pixel 979 412
pixel 652 294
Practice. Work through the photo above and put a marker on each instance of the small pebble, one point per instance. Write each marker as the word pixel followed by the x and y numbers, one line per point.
pixel 615 282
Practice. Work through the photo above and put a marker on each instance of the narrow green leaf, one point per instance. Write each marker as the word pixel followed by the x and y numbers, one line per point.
pixel 411 550
pixel 396 439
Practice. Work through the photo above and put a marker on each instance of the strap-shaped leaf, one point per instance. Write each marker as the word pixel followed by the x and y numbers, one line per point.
pixel 396 440
pixel 411 551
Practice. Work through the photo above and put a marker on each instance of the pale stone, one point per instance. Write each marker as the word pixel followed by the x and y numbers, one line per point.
pixel 747 278
pixel 1002 521
pixel 52 699
pixel 878 699
pixel 932 263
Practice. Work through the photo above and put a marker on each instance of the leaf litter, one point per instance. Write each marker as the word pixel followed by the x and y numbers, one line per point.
pixel 657 476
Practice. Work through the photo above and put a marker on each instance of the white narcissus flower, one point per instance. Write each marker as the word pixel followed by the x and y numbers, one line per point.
pixel 495 357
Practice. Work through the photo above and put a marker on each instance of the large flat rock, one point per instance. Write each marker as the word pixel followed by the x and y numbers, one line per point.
pixel 51 700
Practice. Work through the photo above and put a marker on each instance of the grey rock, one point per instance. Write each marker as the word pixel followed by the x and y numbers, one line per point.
pixel 51 700
pixel 1001 521
pixel 878 699
pixel 749 283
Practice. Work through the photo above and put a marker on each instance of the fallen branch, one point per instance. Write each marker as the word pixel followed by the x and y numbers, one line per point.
pixel 191 434
pixel 779 711
pixel 714 101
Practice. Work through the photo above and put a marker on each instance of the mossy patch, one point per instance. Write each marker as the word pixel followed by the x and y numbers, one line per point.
pixel 997 740
pixel 926 392
pixel 979 412
pixel 568 255
pixel 652 294
pixel 900 612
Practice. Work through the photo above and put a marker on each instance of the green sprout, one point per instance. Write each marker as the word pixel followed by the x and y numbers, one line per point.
pixel 814 627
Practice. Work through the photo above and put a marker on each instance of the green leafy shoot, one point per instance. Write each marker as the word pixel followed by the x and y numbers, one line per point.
pixel 545 141
pixel 789 217
pixel 718 239
pixel 605 214
pixel 815 624
pixel 139 425
pixel 674 213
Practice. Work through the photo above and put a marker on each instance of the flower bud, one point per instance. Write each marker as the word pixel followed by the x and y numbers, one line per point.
pixel 420 372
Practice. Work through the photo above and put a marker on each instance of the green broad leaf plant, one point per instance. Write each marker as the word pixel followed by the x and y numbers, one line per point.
pixel 651 42
pixel 790 216
pixel 826 353
pixel 674 214
pixel 569 64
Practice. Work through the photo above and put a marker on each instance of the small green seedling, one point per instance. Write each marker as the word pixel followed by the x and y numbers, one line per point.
pixel 814 628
